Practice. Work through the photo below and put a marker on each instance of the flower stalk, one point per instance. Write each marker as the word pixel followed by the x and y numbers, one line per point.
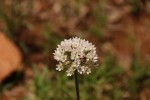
pixel 77 85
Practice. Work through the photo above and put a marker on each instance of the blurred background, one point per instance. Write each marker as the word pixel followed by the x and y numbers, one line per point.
pixel 31 29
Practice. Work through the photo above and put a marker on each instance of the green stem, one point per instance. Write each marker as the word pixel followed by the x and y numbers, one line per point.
pixel 77 85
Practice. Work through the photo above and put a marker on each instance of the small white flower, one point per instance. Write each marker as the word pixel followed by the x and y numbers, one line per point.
pixel 75 54
pixel 59 67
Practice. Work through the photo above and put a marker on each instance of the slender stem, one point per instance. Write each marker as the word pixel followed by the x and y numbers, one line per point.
pixel 77 85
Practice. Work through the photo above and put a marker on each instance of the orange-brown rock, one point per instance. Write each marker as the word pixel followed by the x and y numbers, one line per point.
pixel 10 57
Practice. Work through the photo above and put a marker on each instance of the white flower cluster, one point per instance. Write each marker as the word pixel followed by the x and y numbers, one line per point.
pixel 76 54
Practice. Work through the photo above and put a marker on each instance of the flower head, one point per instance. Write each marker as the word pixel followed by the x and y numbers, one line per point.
pixel 76 54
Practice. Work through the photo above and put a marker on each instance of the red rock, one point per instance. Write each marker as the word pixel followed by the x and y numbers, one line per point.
pixel 10 57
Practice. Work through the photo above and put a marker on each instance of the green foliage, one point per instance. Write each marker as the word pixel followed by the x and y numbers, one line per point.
pixel 51 38
pixel 100 20
pixel 82 1
pixel 137 6
pixel 54 85
pixel 110 70
pixel 97 31
pixel 15 20
pixel 64 87
pixel 99 13
pixel 49 86
pixel 14 17
pixel 140 77
pixel 4 87
pixel 41 84
pixel 104 83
